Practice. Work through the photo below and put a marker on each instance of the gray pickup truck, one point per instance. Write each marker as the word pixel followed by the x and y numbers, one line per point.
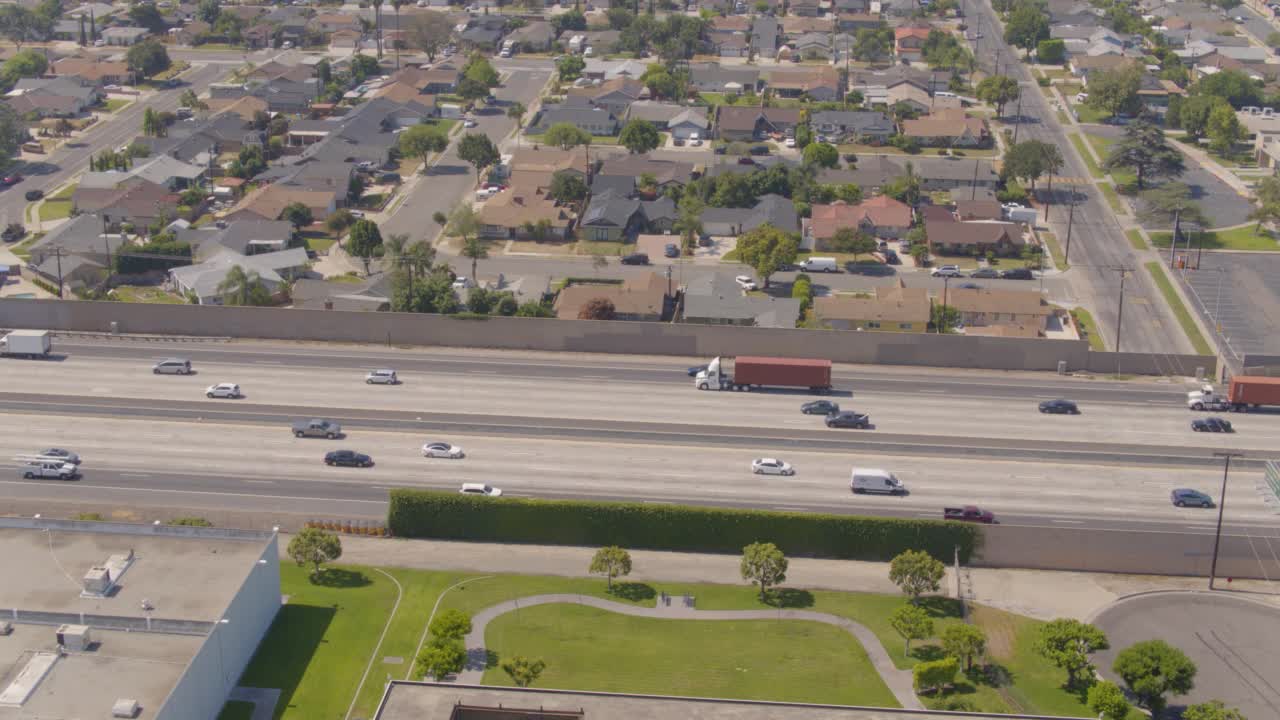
pixel 317 428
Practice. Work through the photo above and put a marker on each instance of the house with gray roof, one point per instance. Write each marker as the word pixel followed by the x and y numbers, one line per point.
pixel 246 236
pixel 85 250
pixel 596 121
pixel 945 173
pixel 275 269
pixel 366 296
pixel 770 209
pixel 688 123
pixel 163 170
pixel 613 217
pixel 862 126
pixel 765 32
pixel 534 37
pixel 715 299
pixel 713 77
pixel 124 36
pixel 654 112
pixel 52 97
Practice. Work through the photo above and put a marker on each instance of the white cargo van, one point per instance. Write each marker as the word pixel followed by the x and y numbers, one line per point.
pixel 872 480
pixel 819 264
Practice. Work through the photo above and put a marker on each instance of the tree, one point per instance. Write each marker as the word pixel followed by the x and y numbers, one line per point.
pixel 25 64
pixel 1115 91
pixel 916 572
pixel 999 90
pixel 639 136
pixel 473 249
pixel 364 241
pixel 597 309
pixel 1027 25
pixel 209 10
pixel 619 18
pixel 824 155
pixel 766 249
pixel 1030 159
pixel 314 547
pixel 395 5
pixel 440 660
pixel 147 58
pixel 852 240
pixel 450 625
pixel 516 111
pixel 1267 190
pixel 429 31
pixel 964 641
pixel 472 90
pixel 152 126
pixel 523 671
pixel 189 99
pixel 1068 643
pixel 567 188
pixel 689 221
pixel 611 562
pixel 1194 112
pixel 297 215
pixel 479 68
pixel 905 188
pixel 1233 86
pixel 1107 699
pixel 803 136
pixel 479 150
pixel 660 82
pixel 912 623
pixel 1153 669
pixel 465 223
pixel 421 141
pixel 241 288
pixel 1224 130
pixel 570 67
pixel 1171 204
pixel 145 14
pixel 17 23
pixel 1145 151
pixel 763 564
pixel 934 675
pixel 1051 52
pixel 534 309
pixel 1212 710
pixel 566 136
pixel 571 20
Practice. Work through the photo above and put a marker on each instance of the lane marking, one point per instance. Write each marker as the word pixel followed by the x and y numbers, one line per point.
pixel 137 475
pixel 1069 522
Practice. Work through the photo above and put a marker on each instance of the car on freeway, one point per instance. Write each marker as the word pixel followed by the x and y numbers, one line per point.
pixel 987 273
pixel 480 489
pixel 848 419
pixel 1017 274
pixel 635 259
pixel 1212 424
pixel 1059 407
pixel 172 366
pixel 820 407
pixel 1185 497
pixel 947 271
pixel 969 513
pixel 382 376
pixel 745 282
pixel 970 286
pixel 442 450
pixel 223 390
pixel 694 370
pixel 672 250
pixel 34 195
pixel 347 458
pixel 771 466
pixel 37 468
pixel 61 454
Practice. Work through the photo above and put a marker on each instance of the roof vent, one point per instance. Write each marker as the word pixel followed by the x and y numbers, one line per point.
pixel 125 708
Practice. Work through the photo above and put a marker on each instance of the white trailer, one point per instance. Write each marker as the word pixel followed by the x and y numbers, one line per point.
pixel 26 343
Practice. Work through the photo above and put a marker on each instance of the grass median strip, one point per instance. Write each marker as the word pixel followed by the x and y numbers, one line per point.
pixel 1089 329
pixel 1094 170
pixel 1135 239
pixel 1240 238
pixel 1180 310
pixel 1113 199
pixel 1055 250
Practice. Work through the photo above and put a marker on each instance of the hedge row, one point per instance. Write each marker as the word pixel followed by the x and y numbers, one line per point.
pixel 427 514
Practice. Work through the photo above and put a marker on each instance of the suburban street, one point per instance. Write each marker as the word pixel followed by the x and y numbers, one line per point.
pixel 1099 250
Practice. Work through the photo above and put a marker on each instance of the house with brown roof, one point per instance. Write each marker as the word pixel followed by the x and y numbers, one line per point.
pixel 550 160
pixel 1082 65
pixel 908 42
pixel 270 201
pixel 974 238
pixel 909 94
pixel 525 211
pixel 246 107
pixel 333 22
pixel 820 82
pixel 642 298
pixel 752 123
pixel 983 307
pixel 880 216
pixel 138 202
pixel 795 25
pixel 99 72
pixel 440 79
pixel 896 308
pixel 949 128
pixel 968 210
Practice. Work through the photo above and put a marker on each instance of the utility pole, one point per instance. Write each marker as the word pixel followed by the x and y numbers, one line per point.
pixel 1124 273
pixel 1017 121
pixel 973 187
pixel 57 253
pixel 1066 260
pixel 1173 241
pixel 1222 503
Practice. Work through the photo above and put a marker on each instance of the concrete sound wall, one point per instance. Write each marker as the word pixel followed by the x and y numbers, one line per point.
pixel 575 335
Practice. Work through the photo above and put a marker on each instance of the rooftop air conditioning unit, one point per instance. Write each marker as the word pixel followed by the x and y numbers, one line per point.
pixel 125 708
pixel 74 637
pixel 97 580
pixel 6 627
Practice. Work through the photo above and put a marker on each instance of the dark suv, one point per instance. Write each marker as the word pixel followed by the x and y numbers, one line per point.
pixel 635 259
pixel 1017 274
pixel 848 419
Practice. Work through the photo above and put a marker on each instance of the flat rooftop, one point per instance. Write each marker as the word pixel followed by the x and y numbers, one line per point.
pixel 438 701
pixel 183 578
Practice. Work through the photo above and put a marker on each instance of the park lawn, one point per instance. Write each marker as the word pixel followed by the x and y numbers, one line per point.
pixel 1081 148
pixel 236 710
pixel 1180 310
pixel 1135 239
pixel 1055 250
pixel 1241 238
pixel 1089 328
pixel 317 648
pixel 591 649
pixel 1113 198
pixel 144 294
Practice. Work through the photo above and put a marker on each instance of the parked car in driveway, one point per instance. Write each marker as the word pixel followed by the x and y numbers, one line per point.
pixel 848 419
pixel 1184 497
pixel 771 466
pixel 1212 424
pixel 1059 407
pixel 820 407
pixel 223 390
pixel 947 271
pixel 347 458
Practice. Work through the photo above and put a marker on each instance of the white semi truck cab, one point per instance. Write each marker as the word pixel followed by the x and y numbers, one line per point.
pixel 1206 398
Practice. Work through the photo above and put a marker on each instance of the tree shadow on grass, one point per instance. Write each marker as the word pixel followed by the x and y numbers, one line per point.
pixel 993 675
pixel 928 653
pixel 340 578
pixel 286 651
pixel 790 598
pixel 633 591
pixel 940 607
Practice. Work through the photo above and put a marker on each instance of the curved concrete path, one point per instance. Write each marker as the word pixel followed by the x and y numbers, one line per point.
pixel 899 681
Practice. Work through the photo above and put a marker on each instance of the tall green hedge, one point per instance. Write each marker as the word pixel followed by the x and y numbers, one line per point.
pixel 427 514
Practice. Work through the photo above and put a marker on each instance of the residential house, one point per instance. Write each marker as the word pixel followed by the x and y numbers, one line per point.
pixel 613 217
pixel 851 23
pixel 949 128
pixel 794 26
pixel 810 46
pixel 730 23
pixel 371 295
pixel 535 37
pixel 984 307
pixel 615 95
pixel 96 10
pixel 640 298
pixel 861 126
pixel 880 216
pixel 548 161
pixel 975 238
pixel 1082 65
pixel 79 250
pixel 191 34
pixel 770 209
pixel 440 79
pixel 765 33
pixel 1155 92
pixel 345 40
pixel 484 32
pixel 52 97
pixel 752 123
pixel 733 44
pixel 930 213
pixel 908 42
pixel 851 6
pixel 138 202
pixel 693 121
pixel 123 36
pixel 950 173
pixel 258 36
pixel 286 96
pixel 268 202
pixel 968 210
pixel 1246 55
pixel 246 236
pixel 327 23
pixel 525 211
pixel 653 112
pixel 203 280
pixel 804 8
pixel 600 41
pixel 714 78
pixel 909 95
pixel 596 121
pixel 630 168
pixel 163 170
pixel 98 72
pixel 895 308
pixel 201 142
pixel 610 69
pixel 866 80
pixel 715 299
pixel 819 82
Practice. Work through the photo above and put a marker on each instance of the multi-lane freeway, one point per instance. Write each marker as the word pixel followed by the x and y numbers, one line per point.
pixel 543 425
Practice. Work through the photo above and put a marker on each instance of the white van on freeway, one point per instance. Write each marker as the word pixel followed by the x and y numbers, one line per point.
pixel 873 480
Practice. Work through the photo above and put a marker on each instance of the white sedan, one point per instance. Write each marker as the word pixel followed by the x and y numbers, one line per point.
pixel 790 142
pixel 469 122
pixel 223 390
pixel 771 466
pixel 442 450
pixel 745 282
pixel 480 489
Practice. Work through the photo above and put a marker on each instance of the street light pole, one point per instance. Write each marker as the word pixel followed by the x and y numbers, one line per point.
pixel 1124 273
pixel 1066 260
pixel 1222 502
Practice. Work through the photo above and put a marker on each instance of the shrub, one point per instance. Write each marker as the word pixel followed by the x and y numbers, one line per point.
pixel 190 522
pixel 424 513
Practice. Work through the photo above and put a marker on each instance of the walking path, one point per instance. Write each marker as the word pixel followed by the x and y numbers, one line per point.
pixel 899 681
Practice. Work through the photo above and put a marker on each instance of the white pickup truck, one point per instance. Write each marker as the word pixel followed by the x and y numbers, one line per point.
pixel 37 467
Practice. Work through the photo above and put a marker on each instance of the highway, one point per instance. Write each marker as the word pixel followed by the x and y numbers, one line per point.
pixel 543 425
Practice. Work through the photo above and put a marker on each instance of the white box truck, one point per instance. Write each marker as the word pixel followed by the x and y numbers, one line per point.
pixel 26 344
pixel 874 480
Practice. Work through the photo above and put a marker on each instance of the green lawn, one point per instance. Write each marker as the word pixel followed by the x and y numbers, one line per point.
pixel 1180 311
pixel 1055 250
pixel 1113 199
pixel 590 649
pixel 1089 329
pixel 1081 148
pixel 1135 239
pixel 236 710
pixel 444 124
pixel 23 249
pixel 1241 238
pixel 116 104
pixel 143 294
pixel 65 193
pixel 54 210
pixel 319 244
pixel 1103 145
pixel 595 140
pixel 603 247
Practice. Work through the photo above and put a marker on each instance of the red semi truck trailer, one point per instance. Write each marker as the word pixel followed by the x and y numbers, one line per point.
pixel 1244 393
pixel 748 373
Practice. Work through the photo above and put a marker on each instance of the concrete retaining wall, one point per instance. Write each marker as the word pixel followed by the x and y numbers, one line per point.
pixel 956 351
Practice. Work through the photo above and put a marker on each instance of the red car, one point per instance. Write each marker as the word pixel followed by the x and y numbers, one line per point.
pixel 969 513
pixel 13 179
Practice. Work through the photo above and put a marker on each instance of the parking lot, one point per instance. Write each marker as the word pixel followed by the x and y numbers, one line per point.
pixel 1238 296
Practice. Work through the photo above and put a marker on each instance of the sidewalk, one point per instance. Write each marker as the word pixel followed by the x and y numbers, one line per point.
pixel 1041 594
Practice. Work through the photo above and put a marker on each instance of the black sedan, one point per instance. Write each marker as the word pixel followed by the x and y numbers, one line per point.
pixel 693 371
pixel 1059 407
pixel 819 407
pixel 635 259
pixel 848 419
pixel 1182 497
pixel 347 458
pixel 1212 424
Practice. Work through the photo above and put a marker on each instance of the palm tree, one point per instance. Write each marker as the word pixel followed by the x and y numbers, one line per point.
pixel 396 43
pixel 475 250
pixel 516 112
pixel 377 21
pixel 415 259
pixel 241 288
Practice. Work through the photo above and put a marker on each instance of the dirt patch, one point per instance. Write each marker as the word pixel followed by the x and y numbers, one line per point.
pixel 541 248
pixel 1001 631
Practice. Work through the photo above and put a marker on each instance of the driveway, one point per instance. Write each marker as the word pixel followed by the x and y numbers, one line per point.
pixel 1231 639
